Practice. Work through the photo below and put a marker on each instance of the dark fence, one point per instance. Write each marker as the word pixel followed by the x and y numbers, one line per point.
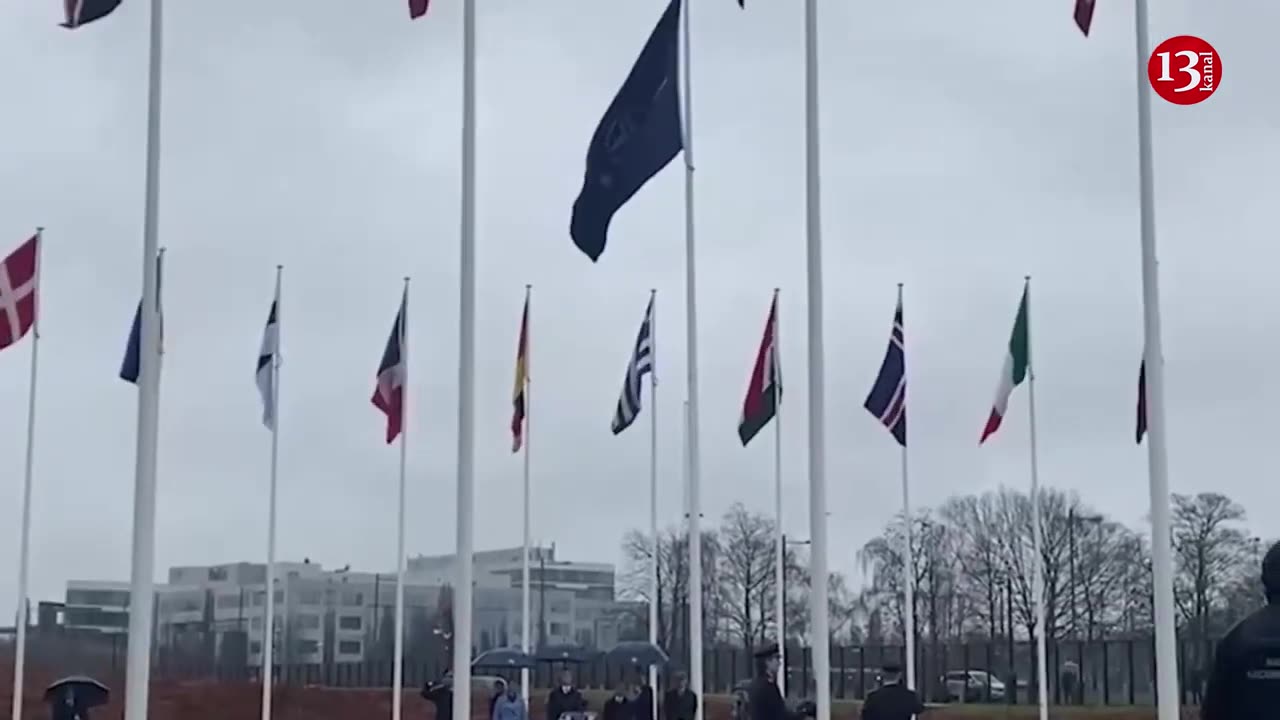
pixel 1099 672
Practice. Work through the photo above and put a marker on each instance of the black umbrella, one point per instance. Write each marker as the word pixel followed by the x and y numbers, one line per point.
pixel 574 654
pixel 640 654
pixel 505 658
pixel 81 690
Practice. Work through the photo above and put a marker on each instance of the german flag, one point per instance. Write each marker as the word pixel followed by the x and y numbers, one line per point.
pixel 522 380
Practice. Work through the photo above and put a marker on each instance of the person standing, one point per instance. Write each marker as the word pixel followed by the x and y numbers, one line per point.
pixel 510 706
pixel 440 695
pixel 617 707
pixel 679 703
pixel 1244 683
pixel 499 689
pixel 642 704
pixel 765 699
pixel 893 700
pixel 565 698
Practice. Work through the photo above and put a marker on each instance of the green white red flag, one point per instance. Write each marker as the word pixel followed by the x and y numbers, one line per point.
pixel 1017 364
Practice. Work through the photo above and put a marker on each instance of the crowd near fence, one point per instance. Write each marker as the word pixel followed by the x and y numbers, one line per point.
pixel 1116 671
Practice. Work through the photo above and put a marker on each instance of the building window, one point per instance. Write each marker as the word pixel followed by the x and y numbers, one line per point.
pixel 95 617
pixel 227 602
pixel 353 599
pixel 256 623
pixel 350 622
pixel 259 598
pixel 308 647
pixel 349 647
pixel 308 621
pixel 106 598
pixel 309 597
pixel 255 648
pixel 559 629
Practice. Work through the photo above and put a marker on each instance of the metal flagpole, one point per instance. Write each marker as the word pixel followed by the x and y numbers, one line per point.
pixel 462 614
pixel 524 565
pixel 908 564
pixel 1157 452
pixel 397 667
pixel 1037 539
pixel 779 539
pixel 817 374
pixel 268 627
pixel 653 493
pixel 142 567
pixel 24 542
pixel 691 363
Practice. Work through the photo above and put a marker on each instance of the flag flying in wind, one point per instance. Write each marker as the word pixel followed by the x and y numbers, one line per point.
pixel 1016 364
pixel 764 393
pixel 522 379
pixel 888 397
pixel 388 393
pixel 266 358
pixel 1142 402
pixel 18 292
pixel 641 364
pixel 1084 15
pixel 131 366
pixel 417 8
pixel 80 12
pixel 639 134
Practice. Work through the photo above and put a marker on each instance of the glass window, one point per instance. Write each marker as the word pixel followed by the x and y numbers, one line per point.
pixel 109 598
pixel 349 647
pixel 350 622
pixel 308 647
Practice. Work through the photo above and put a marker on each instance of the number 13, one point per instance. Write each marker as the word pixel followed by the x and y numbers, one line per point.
pixel 1193 74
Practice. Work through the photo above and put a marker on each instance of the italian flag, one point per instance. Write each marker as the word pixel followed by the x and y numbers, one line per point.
pixel 1016 365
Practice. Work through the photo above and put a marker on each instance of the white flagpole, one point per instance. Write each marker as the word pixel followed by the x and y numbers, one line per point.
pixel 1157 452
pixel 142 567
pixel 24 543
pixel 691 362
pixel 462 611
pixel 524 566
pixel 779 536
pixel 908 564
pixel 269 626
pixel 653 493
pixel 397 667
pixel 817 374
pixel 1037 539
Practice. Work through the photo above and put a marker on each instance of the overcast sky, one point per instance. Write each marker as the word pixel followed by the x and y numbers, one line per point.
pixel 963 147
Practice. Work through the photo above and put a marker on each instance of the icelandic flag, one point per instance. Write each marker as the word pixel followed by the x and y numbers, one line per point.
pixel 887 400
pixel 388 393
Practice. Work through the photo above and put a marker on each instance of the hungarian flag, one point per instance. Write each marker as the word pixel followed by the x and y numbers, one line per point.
pixel 1084 15
pixel 1016 365
pixel 1142 402
pixel 764 394
pixel 18 292
pixel 522 380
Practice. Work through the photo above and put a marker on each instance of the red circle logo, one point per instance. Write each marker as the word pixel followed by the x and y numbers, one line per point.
pixel 1184 70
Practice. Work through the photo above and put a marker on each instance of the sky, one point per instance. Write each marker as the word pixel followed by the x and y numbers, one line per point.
pixel 962 149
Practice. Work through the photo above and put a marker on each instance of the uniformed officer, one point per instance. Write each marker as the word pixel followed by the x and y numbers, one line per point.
pixel 892 700
pixel 1245 681
pixel 765 699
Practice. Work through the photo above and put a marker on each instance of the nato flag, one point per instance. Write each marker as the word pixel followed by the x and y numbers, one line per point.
pixel 639 134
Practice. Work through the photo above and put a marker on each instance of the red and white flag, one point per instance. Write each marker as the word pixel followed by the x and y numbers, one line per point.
pixel 18 292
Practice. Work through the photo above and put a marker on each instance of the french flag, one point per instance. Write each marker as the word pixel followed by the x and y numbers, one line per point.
pixel 388 393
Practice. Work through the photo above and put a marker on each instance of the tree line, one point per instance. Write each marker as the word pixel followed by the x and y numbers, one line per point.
pixel 971 574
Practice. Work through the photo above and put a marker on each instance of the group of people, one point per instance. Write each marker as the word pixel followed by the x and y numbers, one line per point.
pixel 630 701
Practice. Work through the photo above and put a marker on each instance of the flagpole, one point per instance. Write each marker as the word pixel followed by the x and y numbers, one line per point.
pixel 524 566
pixel 142 567
pixel 1037 539
pixel 691 363
pixel 817 374
pixel 1157 452
pixel 908 565
pixel 24 543
pixel 397 668
pixel 653 490
pixel 268 630
pixel 462 609
pixel 779 538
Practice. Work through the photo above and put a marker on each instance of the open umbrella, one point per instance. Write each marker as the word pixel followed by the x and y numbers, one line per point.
pixel 573 654
pixel 640 654
pixel 79 690
pixel 504 658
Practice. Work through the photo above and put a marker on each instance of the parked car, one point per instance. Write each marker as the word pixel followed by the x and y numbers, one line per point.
pixel 974 685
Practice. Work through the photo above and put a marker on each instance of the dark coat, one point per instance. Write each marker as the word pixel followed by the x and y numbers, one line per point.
pixel 766 701
pixel 441 696
pixel 642 706
pixel 892 702
pixel 617 709
pixel 678 705
pixel 1245 681
pixel 560 702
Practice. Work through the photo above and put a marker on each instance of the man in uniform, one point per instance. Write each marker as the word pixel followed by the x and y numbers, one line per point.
pixel 893 700
pixel 1245 681
pixel 766 701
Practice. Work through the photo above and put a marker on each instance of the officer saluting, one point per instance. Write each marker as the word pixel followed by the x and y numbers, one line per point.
pixel 1245 682
pixel 893 700
pixel 765 699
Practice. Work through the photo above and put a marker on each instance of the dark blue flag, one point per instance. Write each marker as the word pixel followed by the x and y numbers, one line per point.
pixel 888 397
pixel 639 134
pixel 131 366
pixel 80 12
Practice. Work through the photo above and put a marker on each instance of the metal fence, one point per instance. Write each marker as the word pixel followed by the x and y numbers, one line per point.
pixel 1099 672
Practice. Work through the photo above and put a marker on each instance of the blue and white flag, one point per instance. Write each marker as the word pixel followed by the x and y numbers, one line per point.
pixel 887 400
pixel 641 364
pixel 267 355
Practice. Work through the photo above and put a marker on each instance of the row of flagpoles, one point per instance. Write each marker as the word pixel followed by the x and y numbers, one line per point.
pixel 659 119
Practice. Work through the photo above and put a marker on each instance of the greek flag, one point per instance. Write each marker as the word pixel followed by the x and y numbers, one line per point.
pixel 641 364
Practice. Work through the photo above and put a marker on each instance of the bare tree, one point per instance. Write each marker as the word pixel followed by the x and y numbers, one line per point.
pixel 747 573
pixel 1210 548
pixel 673 580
